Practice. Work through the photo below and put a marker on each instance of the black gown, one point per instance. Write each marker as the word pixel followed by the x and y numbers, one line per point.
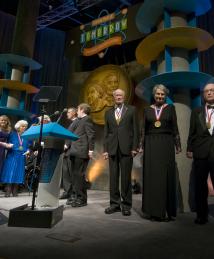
pixel 159 168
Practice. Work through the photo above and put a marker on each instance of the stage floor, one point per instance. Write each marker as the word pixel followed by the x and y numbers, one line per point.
pixel 88 233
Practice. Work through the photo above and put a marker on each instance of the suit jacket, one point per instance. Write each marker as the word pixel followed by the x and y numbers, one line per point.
pixel 125 134
pixel 200 142
pixel 72 128
pixel 85 131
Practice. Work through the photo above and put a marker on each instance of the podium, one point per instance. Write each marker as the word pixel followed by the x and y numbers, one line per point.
pixel 47 212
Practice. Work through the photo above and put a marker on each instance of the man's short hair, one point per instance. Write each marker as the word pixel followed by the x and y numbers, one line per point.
pixel 85 107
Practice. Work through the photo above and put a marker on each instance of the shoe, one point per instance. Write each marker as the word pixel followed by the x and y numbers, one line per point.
pixel 111 210
pixel 158 219
pixel 126 212
pixel 70 201
pixel 64 196
pixel 201 221
pixel 78 203
pixel 168 219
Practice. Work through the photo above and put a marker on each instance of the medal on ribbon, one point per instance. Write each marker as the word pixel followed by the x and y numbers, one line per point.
pixel 208 117
pixel 20 142
pixel 157 123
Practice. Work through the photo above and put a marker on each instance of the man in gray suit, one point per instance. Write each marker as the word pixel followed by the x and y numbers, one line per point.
pixel 121 140
pixel 80 152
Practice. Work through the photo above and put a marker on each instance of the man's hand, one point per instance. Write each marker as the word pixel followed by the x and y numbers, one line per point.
pixel 140 151
pixel 90 154
pixel 134 153
pixel 189 154
pixel 105 155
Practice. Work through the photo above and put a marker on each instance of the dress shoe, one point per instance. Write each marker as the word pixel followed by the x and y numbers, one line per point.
pixel 158 219
pixel 126 212
pixel 70 201
pixel 201 221
pixel 78 203
pixel 111 210
pixel 64 196
pixel 169 218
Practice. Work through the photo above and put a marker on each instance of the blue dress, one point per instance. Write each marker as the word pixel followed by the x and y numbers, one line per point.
pixel 14 165
pixel 3 138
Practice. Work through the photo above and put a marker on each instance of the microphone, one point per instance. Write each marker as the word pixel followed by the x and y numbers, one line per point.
pixel 61 114
pixel 54 114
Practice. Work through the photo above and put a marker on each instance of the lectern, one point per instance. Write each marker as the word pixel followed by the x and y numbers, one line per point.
pixel 47 212
pixel 43 216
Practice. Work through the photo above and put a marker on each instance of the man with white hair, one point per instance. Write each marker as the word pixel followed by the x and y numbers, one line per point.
pixel 121 140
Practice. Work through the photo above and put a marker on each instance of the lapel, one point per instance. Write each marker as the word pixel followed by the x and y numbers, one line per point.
pixel 112 114
pixel 125 108
pixel 202 118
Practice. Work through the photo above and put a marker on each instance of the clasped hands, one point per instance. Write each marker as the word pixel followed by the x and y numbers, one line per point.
pixel 106 156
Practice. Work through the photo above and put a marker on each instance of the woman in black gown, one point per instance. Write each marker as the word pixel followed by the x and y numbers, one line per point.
pixel 160 138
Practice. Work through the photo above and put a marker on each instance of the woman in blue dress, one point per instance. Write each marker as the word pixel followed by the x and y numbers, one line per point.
pixel 14 166
pixel 5 128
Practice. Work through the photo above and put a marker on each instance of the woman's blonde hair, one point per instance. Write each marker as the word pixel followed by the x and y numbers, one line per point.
pixel 8 126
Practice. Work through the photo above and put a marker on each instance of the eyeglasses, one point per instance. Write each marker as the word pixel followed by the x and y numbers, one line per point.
pixel 209 90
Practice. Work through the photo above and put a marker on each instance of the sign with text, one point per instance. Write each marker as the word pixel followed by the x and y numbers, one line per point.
pixel 105 31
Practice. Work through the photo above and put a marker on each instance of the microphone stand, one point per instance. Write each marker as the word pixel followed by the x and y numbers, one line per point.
pixel 37 168
pixel 60 116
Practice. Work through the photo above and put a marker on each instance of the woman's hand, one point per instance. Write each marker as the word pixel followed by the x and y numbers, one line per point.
pixel 189 154
pixel 8 145
pixel 178 150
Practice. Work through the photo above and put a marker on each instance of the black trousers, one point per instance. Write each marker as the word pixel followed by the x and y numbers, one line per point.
pixel 78 170
pixel 120 165
pixel 67 175
pixel 202 168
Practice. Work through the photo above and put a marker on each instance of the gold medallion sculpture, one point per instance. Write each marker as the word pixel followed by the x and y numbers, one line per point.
pixel 98 89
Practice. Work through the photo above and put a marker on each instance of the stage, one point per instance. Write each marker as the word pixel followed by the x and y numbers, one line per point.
pixel 87 232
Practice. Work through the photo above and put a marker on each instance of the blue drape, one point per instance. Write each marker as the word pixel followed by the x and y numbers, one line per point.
pixel 48 51
pixel 206 22
pixel 7 23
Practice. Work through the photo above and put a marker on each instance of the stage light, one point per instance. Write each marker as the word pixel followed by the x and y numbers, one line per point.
pixel 96 169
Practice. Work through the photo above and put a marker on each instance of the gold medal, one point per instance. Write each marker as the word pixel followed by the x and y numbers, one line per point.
pixel 20 148
pixel 208 125
pixel 157 124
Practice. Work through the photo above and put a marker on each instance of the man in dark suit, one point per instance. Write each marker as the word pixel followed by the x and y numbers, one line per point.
pixel 66 166
pixel 121 139
pixel 200 147
pixel 80 152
